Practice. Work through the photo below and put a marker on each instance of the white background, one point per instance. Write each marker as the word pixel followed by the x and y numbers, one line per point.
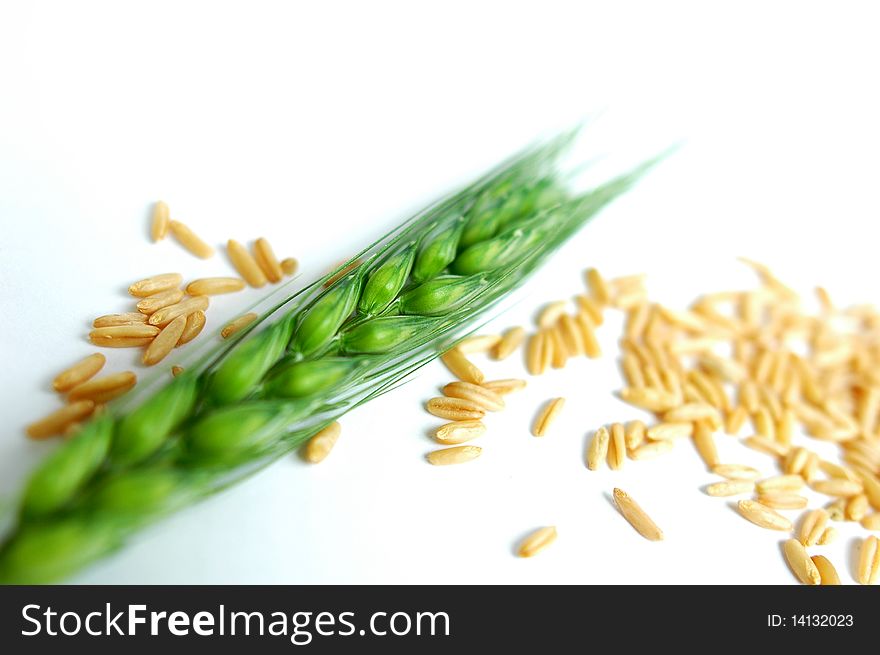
pixel 321 125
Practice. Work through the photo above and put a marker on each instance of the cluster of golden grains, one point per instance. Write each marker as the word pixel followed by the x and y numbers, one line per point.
pixel 754 356
pixel 730 358
pixel 464 402
pixel 168 316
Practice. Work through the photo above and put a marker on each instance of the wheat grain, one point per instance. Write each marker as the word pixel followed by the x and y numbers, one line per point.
pixel 289 265
pixel 634 435
pixel 159 224
pixel 459 432
pixel 690 412
pixel 537 541
pixel 827 572
pixel 597 452
pixel 669 431
pixel 704 442
pixel 766 446
pixel 185 307
pixel 550 313
pixel 869 561
pixel 267 261
pixel 871 522
pixel 597 286
pixel 190 240
pixel 588 336
pixel 454 409
pixel 56 422
pixel 735 420
pixel 781 483
pixel 616 447
pixel 157 301
pixel 454 455
pixel 593 310
pixel 195 323
pixel 479 343
pixel 736 471
pixel 650 399
pixel 651 449
pixel 319 445
pixel 782 500
pixel 800 563
pixel 82 371
pixel 505 386
pixel 461 367
pixel 104 389
pixel 856 507
pixel 828 536
pixel 558 352
pixel 730 488
pixel 111 320
pixel 119 342
pixel 763 516
pixel 156 284
pixel 838 487
pixel 812 526
pixel 510 340
pixel 636 516
pixel 212 286
pixel 478 395
pixel 165 341
pixel 237 325
pixel 245 264
pixel 546 416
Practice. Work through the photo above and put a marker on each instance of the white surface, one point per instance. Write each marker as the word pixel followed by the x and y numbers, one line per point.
pixel 319 126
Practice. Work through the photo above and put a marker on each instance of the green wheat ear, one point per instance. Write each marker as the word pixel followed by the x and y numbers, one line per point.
pixel 310 359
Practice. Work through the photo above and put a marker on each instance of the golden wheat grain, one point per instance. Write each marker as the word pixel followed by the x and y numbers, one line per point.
pixel 651 449
pixel 461 367
pixel 195 323
pixel 549 412
pixel 730 488
pixel 827 572
pixel 155 284
pixel 477 394
pixel 597 452
pixel 800 563
pixel 812 526
pixel 782 500
pixel 111 320
pixel 185 307
pixel 289 265
pixel 479 343
pixel 505 386
pixel 104 389
pixel 454 455
pixel 869 561
pixel 636 516
pixel 159 224
pixel 212 286
pixel 190 240
pixel 267 261
pixel 237 325
pixel 634 434
pixel 245 264
pixel 459 432
pixel 454 409
pixel 510 340
pixel 320 444
pixel 83 370
pixel 537 541
pixel 165 341
pixel 157 301
pixel 56 422
pixel 763 516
